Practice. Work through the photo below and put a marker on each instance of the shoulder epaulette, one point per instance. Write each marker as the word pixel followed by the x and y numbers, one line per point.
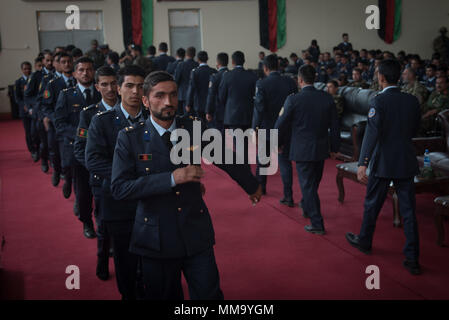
pixel 105 112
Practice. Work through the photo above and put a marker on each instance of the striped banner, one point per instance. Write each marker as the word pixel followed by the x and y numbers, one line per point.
pixel 137 20
pixel 272 24
pixel 390 20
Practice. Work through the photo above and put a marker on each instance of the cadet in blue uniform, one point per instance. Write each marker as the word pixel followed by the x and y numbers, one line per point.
pixel 236 93
pixel 306 119
pixel 388 151
pixel 271 93
pixel 32 99
pixel 117 215
pixel 173 231
pixel 51 93
pixel 182 77
pixel 67 112
pixel 199 87
pixel 106 84
pixel 180 54
pixel 19 87
pixel 161 62
pixel 214 107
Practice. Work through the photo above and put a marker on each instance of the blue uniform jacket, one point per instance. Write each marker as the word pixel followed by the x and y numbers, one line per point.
pixel 387 147
pixel 170 222
pixel 306 120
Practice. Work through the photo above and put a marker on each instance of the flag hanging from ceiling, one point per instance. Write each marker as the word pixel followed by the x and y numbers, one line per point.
pixel 390 20
pixel 137 20
pixel 272 24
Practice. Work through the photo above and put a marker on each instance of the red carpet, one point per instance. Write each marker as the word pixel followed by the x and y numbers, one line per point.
pixel 262 252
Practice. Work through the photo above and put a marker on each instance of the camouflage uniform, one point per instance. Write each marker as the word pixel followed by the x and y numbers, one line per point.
pixel 375 85
pixel 437 101
pixel 418 90
pixel 441 44
pixel 340 104
pixel 359 84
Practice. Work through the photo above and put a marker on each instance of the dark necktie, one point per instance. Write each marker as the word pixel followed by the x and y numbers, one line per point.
pixel 70 83
pixel 166 138
pixel 87 96
pixel 133 120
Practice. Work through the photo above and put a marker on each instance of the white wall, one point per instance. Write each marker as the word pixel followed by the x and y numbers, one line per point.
pixel 232 25
pixel 19 34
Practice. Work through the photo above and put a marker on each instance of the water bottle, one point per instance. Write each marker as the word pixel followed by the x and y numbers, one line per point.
pixel 427 159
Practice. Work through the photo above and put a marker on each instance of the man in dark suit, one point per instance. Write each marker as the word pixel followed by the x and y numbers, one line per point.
pixel 306 119
pixel 271 93
pixel 180 54
pixel 345 46
pixel 19 88
pixel 214 107
pixel 173 231
pixel 182 77
pixel 236 93
pixel 106 84
pixel 67 114
pixel 51 93
pixel 32 98
pixel 117 216
pixel 199 87
pixel 388 151
pixel 161 62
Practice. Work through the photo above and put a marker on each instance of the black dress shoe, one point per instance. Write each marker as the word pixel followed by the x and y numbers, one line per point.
pixel 88 230
pixel 264 191
pixel 103 269
pixel 355 242
pixel 76 209
pixel 287 202
pixel 412 267
pixel 313 230
pixel 35 156
pixel 304 214
pixel 55 177
pixel 44 166
pixel 67 189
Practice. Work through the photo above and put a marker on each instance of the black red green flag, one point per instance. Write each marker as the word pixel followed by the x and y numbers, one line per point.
pixel 137 20
pixel 390 20
pixel 272 24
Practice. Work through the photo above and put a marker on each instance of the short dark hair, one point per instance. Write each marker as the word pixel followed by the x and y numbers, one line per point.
pixel 223 58
pixel 344 35
pixel 82 60
pixel 104 71
pixel 151 50
pixel 114 57
pixel 293 55
pixel 61 55
pixel 334 82
pixel 271 62
pixel 307 73
pixel 202 56
pixel 181 52
pixel 25 63
pixel 391 70
pixel 131 70
pixel 69 48
pixel 154 78
pixel 163 47
pixel 136 47
pixel 191 52
pixel 38 59
pixel 77 52
pixel 431 66
pixel 57 56
pixel 444 77
pixel 238 58
pixel 357 70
